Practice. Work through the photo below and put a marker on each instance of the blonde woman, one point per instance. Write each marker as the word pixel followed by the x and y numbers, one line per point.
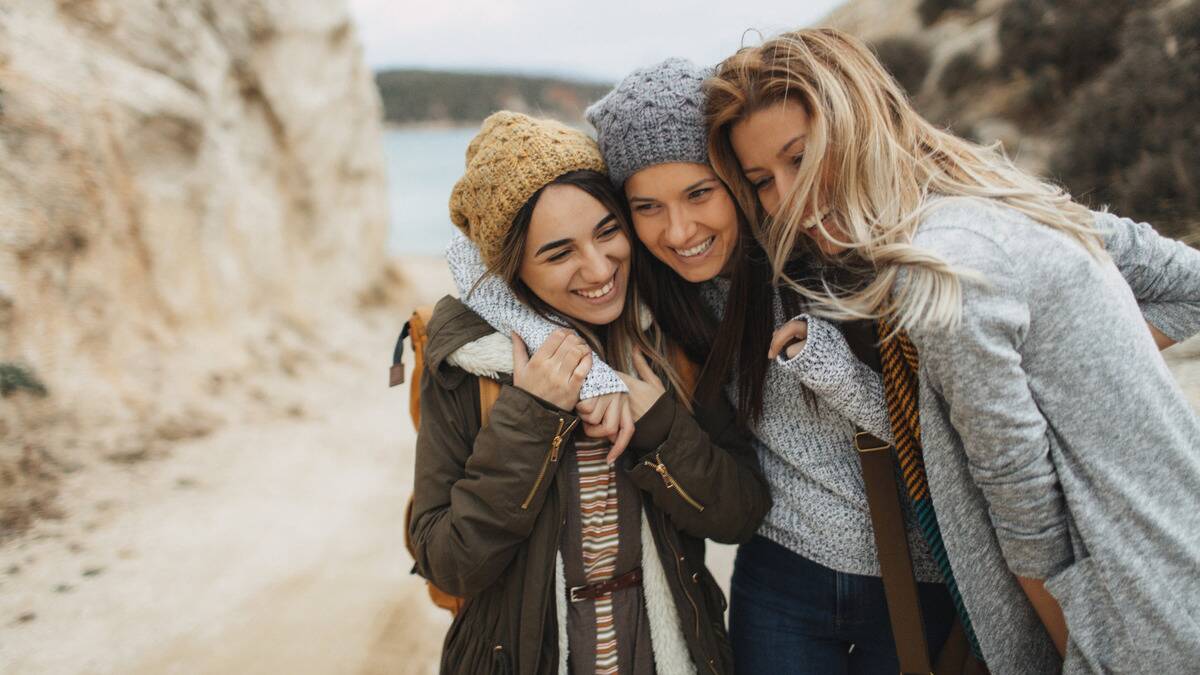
pixel 1060 455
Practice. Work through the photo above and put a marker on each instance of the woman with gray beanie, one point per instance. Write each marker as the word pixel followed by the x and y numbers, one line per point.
pixel 806 591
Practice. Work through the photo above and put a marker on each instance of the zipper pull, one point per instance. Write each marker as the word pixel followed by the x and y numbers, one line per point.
pixel 669 481
pixel 661 470
pixel 559 435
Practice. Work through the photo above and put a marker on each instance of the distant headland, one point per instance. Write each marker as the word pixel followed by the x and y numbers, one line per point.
pixel 414 97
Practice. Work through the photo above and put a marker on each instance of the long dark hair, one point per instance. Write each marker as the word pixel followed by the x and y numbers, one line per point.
pixel 617 341
pixel 744 334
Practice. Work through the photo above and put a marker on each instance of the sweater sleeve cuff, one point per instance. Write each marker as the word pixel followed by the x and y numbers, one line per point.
pixel 1038 557
pixel 654 427
pixel 1178 321
pixel 821 348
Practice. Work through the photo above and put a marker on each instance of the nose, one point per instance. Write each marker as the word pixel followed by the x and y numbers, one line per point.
pixel 769 197
pixel 680 228
pixel 595 267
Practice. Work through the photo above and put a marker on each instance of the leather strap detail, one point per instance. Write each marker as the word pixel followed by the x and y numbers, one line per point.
pixel 592 591
pixel 895 560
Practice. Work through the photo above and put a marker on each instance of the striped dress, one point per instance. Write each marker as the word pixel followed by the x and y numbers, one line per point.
pixel 610 634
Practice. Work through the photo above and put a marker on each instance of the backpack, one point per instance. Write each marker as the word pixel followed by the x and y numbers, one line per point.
pixel 489 391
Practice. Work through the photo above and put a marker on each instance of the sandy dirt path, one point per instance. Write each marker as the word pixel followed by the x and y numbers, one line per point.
pixel 272 547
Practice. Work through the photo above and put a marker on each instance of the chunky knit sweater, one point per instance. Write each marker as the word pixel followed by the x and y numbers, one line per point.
pixel 805 440
pixel 806 446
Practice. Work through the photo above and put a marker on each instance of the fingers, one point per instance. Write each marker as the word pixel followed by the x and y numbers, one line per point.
pixel 611 422
pixel 594 431
pixel 570 342
pixel 580 373
pixel 565 354
pixel 644 371
pixel 592 410
pixel 785 335
pixel 595 414
pixel 586 407
pixel 623 435
pixel 552 343
pixel 520 353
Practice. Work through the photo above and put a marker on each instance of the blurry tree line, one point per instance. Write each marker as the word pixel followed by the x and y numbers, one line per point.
pixel 1114 85
pixel 412 96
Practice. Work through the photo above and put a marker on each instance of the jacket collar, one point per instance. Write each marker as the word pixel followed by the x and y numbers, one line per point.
pixel 453 326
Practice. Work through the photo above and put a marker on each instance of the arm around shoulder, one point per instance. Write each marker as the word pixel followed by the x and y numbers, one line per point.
pixel 489 297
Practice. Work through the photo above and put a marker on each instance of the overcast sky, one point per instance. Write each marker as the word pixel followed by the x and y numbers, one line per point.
pixel 598 40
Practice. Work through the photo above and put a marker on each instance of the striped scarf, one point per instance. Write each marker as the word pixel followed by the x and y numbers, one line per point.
pixel 600 542
pixel 900 383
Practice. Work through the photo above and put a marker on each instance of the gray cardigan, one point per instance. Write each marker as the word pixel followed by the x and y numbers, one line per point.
pixel 1057 443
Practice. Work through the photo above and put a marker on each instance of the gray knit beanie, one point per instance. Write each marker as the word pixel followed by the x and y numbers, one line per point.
pixel 654 116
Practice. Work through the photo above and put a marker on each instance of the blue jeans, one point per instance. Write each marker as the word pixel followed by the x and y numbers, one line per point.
pixel 789 615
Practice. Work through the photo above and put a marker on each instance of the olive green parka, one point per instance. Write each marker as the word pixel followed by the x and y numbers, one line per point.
pixel 489 506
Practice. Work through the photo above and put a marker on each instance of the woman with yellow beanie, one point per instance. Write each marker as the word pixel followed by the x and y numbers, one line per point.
pixel 569 563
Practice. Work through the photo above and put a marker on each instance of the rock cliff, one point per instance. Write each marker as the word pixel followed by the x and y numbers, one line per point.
pixel 188 190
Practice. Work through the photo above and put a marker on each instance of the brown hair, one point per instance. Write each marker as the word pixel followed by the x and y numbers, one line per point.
pixel 616 342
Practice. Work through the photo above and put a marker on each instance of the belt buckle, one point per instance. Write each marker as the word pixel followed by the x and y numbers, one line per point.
pixel 576 598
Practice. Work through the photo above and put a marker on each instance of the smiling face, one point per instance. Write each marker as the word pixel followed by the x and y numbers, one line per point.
pixel 685 216
pixel 769 144
pixel 576 257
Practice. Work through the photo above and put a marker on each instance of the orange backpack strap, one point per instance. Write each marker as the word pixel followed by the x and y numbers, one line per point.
pixel 417 336
pixel 489 391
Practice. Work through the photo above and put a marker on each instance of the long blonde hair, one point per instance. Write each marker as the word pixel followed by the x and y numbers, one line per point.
pixel 874 162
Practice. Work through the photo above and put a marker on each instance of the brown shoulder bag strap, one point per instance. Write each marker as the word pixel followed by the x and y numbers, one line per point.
pixel 887 519
pixel 895 559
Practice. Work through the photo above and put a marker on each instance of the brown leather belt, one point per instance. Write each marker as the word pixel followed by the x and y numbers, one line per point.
pixel 592 591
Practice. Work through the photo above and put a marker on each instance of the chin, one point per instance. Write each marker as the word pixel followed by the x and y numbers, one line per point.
pixel 599 316
pixel 700 273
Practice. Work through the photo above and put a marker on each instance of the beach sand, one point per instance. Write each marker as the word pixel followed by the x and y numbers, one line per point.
pixel 273 546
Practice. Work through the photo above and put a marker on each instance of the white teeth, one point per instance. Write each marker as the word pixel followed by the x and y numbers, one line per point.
pixel 600 292
pixel 697 249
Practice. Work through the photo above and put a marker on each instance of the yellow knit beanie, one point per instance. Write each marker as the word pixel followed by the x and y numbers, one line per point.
pixel 512 157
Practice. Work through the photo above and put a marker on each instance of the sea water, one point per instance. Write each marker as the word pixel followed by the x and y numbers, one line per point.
pixel 422 166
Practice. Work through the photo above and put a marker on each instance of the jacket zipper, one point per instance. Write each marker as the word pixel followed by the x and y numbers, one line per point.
pixel 551 456
pixel 682 580
pixel 670 481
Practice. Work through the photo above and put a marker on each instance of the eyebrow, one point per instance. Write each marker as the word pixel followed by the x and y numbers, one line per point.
pixel 788 145
pixel 782 151
pixel 558 243
pixel 689 188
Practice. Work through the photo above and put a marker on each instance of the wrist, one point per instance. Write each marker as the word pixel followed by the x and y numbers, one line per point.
pixel 646 405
